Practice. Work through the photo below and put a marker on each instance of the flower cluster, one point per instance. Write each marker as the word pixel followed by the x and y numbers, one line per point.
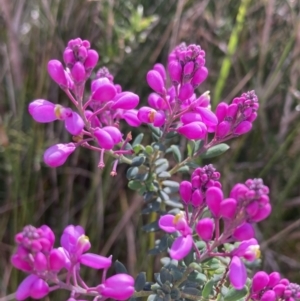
pixel 222 225
pixel 271 288
pixel 236 118
pixel 177 107
pixel 247 203
pixel 95 118
pixel 36 255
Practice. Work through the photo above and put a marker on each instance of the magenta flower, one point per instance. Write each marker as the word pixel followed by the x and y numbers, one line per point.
pixel 57 73
pixel 185 191
pixel 237 273
pixel 194 130
pixel 32 286
pixel 58 154
pixel 214 197
pixel 44 111
pixel 182 244
pixel 118 287
pixel 75 243
pixel 205 228
pixel 260 281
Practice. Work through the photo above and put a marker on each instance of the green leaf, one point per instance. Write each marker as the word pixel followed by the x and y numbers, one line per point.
pixel 135 185
pixel 184 168
pixel 207 289
pixel 140 281
pixel 176 153
pixel 234 295
pixel 215 151
pixel 149 149
pixel 190 147
pixel 138 148
pixel 164 174
pixel 151 207
pixel 192 291
pixel 137 161
pixel 120 268
pixel 132 172
pixel 170 183
pixel 138 139
pixel 165 275
pixel 156 131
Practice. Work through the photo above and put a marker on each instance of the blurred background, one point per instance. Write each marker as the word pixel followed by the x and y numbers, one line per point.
pixel 249 44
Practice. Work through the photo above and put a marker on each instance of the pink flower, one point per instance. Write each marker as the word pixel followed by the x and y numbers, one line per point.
pixel 182 244
pixel 57 73
pixel 58 154
pixel 155 81
pixel 237 273
pixel 75 243
pixel 205 228
pixel 45 111
pixel 32 286
pixel 194 130
pixel 214 197
pixel 185 191
pixel 118 287
pixel 259 281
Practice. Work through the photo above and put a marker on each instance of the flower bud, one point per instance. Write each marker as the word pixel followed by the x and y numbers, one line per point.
pixel 243 128
pixel 114 133
pixel 185 191
pixel 237 273
pixel 274 279
pixel 156 101
pixel 188 69
pixel 259 281
pixel 130 116
pixel 57 73
pixel 24 288
pixel 118 287
pixel 91 59
pixel 104 92
pixel 223 129
pixel 40 262
pixel 205 228
pixel 161 70
pixel 214 197
pixel 69 57
pixel 175 72
pixel 199 76
pixel 39 289
pixel 197 198
pixel 155 81
pixel 82 54
pixel 57 154
pixel 244 232
pixel 208 117
pixel 194 130
pixel 185 91
pixel 78 72
pixel 127 101
pixel 95 261
pixel 228 208
pixel 74 124
pixel 221 111
pixel 20 263
pixel 268 296
pixel 232 110
pixel 279 289
pixel 262 213
pixel 42 110
pixel 104 139
pixel 190 117
pixel 57 260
